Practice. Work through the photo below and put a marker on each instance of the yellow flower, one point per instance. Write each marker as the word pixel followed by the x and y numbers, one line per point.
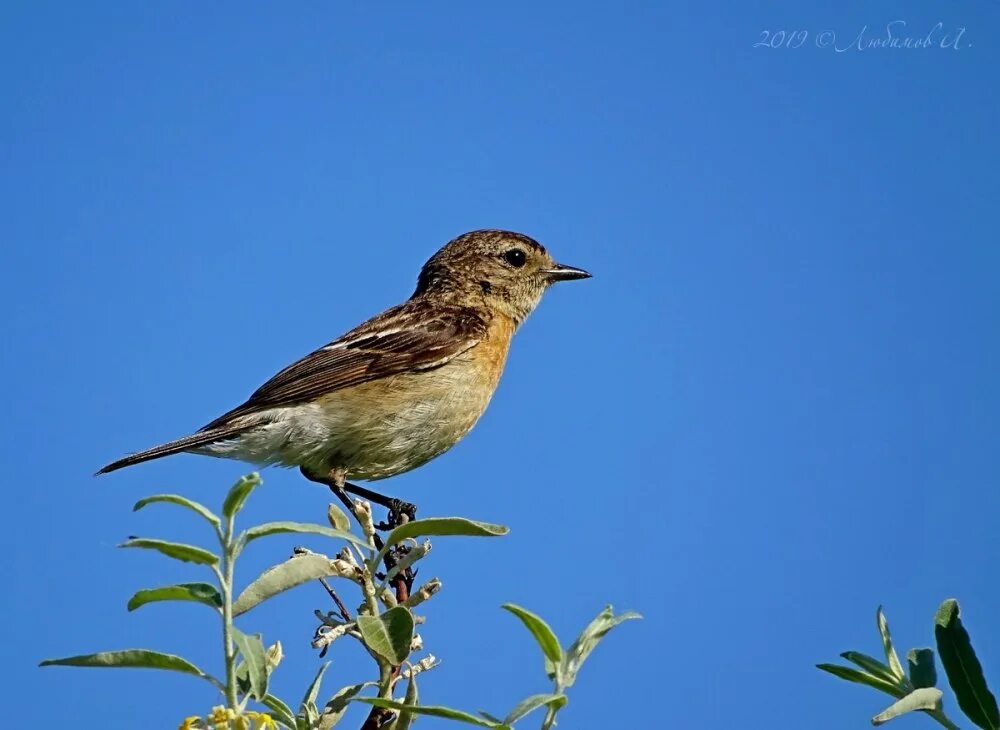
pixel 220 717
pixel 264 721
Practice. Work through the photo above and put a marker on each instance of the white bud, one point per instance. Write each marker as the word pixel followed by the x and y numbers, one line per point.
pixel 428 662
pixel 326 634
pixel 425 591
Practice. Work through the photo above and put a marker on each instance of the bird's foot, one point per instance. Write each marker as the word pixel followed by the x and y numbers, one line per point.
pixel 400 513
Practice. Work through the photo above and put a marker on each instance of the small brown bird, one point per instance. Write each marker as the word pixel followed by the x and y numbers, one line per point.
pixel 399 389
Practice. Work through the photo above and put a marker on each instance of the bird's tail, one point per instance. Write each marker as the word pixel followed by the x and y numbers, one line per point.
pixel 199 438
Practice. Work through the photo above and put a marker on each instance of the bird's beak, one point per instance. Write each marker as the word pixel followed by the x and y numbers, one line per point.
pixel 560 272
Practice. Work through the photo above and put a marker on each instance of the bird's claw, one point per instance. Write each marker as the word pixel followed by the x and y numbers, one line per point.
pixel 400 513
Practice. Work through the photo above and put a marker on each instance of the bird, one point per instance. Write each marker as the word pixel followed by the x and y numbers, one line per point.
pixel 399 389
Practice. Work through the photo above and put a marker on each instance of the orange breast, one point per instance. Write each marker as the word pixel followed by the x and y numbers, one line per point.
pixel 391 425
pixel 490 355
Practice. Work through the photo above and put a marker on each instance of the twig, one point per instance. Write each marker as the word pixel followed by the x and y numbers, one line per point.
pixel 403 582
pixel 399 513
pixel 344 613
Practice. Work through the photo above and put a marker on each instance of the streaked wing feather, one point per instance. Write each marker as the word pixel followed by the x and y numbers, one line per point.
pixel 407 338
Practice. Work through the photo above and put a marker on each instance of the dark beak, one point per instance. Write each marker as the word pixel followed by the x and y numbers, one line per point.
pixel 559 272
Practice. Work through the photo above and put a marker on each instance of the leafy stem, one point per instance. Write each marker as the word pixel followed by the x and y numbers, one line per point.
pixel 384 624
pixel 918 692
pixel 225 577
pixel 368 588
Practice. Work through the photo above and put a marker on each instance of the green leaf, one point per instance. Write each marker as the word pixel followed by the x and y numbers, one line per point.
pixel 275 528
pixel 131 659
pixel 890 654
pixel 337 518
pixel 272 658
pixel 529 704
pixel 438 526
pixel 279 711
pixel 252 649
pixel 337 705
pixel 411 699
pixel 183 502
pixel 198 592
pixel 596 630
pixel 313 690
pixel 176 550
pixel 965 674
pixel 432 710
pixel 309 716
pixel 926 698
pixel 543 634
pixel 389 635
pixel 871 665
pixel 855 675
pixel 921 666
pixel 276 579
pixel 491 718
pixel 238 494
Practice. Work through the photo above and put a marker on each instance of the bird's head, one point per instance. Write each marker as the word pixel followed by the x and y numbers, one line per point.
pixel 506 271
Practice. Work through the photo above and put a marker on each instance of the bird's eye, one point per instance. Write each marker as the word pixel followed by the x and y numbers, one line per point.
pixel 515 257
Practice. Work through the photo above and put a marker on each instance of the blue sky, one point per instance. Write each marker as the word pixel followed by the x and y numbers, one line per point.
pixel 772 408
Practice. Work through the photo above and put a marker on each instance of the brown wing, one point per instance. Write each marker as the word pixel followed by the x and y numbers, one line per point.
pixel 408 338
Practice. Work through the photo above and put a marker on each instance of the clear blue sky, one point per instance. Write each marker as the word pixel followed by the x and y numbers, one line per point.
pixel 772 408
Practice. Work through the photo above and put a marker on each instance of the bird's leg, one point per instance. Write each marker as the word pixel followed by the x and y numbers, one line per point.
pixel 338 484
pixel 336 481
pixel 400 512
pixel 397 507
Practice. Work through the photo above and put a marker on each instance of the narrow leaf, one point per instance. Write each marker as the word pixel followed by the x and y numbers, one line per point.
pixel 276 579
pixel 337 705
pixel 856 675
pixel 129 658
pixel 921 666
pixel 432 710
pixel 198 592
pixel 313 690
pixel 183 502
pixel 439 526
pixel 890 654
pixel 412 698
pixel 389 635
pixel 596 630
pixel 965 673
pixel 238 494
pixel 926 698
pixel 309 713
pixel 280 711
pixel 543 634
pixel 871 665
pixel 532 703
pixel 176 550
pixel 252 649
pixel 275 528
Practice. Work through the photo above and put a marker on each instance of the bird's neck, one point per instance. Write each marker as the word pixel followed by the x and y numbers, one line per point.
pixel 483 299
